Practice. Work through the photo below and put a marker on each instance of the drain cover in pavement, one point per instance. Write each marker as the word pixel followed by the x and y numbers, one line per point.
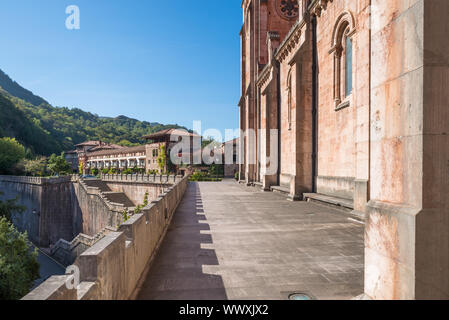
pixel 299 296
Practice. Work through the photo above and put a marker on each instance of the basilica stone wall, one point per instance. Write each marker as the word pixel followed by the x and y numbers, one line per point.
pixel 377 144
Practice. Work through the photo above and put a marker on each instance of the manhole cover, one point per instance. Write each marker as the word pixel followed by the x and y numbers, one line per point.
pixel 299 296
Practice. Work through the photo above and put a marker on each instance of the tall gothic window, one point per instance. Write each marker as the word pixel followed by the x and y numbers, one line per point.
pixel 348 67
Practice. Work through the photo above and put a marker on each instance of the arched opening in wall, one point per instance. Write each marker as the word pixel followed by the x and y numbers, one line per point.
pixel 342 50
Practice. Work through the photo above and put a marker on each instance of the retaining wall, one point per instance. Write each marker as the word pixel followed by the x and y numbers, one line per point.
pixel 114 267
pixel 48 202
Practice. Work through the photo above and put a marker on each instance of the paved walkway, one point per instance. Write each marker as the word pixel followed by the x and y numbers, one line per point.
pixel 228 241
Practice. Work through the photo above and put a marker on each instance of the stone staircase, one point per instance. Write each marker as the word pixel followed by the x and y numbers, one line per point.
pixel 119 197
pixel 113 197
pixel 97 184
pixel 116 201
pixel 66 252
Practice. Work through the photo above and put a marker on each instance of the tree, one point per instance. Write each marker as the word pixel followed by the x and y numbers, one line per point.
pixel 46 129
pixel 19 267
pixel 161 158
pixel 8 207
pixel 36 167
pixel 11 152
pixel 58 164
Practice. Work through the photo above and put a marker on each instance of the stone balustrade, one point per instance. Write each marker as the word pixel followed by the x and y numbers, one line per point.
pixel 114 267
pixel 142 178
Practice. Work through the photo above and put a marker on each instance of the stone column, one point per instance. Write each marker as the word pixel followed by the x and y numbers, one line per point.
pixel 303 179
pixel 407 228
pixel 269 152
pixel 361 105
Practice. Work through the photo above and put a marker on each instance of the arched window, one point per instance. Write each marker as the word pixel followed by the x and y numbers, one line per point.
pixel 348 66
pixel 342 49
pixel 289 99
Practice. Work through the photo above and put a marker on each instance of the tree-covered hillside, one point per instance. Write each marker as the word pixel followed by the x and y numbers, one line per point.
pixel 18 91
pixel 46 129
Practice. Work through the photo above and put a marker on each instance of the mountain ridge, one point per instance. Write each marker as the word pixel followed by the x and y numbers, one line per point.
pixel 16 90
pixel 46 129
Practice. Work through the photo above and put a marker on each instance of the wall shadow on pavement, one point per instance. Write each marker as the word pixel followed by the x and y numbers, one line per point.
pixel 177 271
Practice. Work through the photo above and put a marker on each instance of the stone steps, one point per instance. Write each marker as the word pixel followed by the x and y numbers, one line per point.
pixel 98 184
pixel 120 198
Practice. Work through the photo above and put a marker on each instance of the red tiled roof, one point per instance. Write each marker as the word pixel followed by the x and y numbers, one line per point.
pixel 168 132
pixel 89 143
pixel 106 147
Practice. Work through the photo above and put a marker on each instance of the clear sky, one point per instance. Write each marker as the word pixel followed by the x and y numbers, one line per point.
pixel 168 61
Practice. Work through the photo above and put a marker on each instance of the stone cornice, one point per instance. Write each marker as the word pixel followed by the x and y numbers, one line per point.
pixel 294 36
pixel 291 40
pixel 264 75
pixel 318 6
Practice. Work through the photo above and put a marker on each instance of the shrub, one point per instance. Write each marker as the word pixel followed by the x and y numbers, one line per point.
pixel 125 215
pixel 138 209
pixel 216 170
pixel 58 164
pixel 202 176
pixel 145 199
pixel 162 157
pixel 34 168
pixel 11 152
pixel 112 171
pixel 18 263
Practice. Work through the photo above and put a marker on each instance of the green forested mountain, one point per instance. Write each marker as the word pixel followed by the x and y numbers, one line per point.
pixel 16 90
pixel 46 129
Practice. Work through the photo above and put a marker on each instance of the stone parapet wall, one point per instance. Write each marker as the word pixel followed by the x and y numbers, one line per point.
pixel 66 252
pixel 114 267
pixel 143 178
pixel 35 180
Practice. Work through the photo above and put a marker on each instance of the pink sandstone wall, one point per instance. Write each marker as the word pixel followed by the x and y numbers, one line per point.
pixel 336 154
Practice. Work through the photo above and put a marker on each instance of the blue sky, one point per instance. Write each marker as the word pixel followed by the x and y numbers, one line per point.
pixel 159 61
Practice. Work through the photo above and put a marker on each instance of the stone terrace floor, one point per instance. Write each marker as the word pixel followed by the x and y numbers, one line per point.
pixel 229 241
